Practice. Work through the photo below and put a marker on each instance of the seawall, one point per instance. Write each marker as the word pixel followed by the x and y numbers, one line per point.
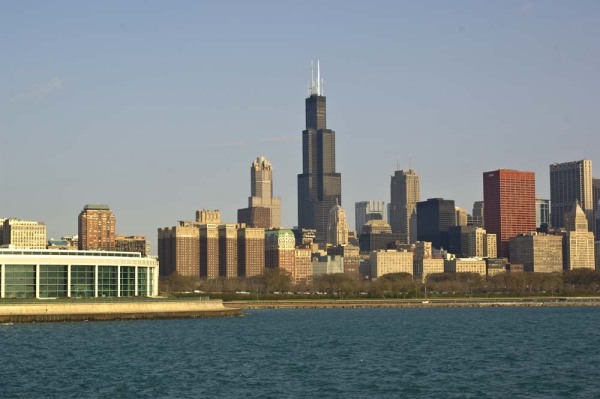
pixel 49 311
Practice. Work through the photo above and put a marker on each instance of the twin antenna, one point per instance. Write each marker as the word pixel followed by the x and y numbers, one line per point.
pixel 315 87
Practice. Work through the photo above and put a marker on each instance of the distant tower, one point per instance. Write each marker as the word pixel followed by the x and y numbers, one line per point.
pixel 509 197
pixel 570 182
pixel 404 195
pixel 263 210
pixel 96 228
pixel 319 185
pixel 435 217
pixel 337 229
pixel 368 210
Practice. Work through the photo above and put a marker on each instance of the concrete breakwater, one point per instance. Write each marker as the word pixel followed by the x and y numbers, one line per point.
pixel 399 303
pixel 50 311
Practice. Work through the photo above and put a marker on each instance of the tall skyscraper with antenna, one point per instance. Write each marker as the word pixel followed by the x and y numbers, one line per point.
pixel 319 185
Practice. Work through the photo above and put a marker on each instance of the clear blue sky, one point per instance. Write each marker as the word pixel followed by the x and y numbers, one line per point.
pixel 158 108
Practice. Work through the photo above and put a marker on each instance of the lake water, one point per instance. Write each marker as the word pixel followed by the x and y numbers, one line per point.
pixel 314 353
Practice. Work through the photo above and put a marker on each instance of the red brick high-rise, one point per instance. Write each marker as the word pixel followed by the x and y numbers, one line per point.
pixel 509 198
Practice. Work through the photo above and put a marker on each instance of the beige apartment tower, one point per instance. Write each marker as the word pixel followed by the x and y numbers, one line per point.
pixel 96 228
pixel 251 251
pixel 263 210
pixel 179 250
pixel 404 195
pixel 228 250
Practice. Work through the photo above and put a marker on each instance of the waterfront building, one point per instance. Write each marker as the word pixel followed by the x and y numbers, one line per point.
pixel 376 235
pixel 60 244
pixel 509 197
pixel 251 251
pixel 303 266
pixel 404 195
pixel 132 244
pixel 391 261
pixel 434 218
pixel 28 273
pixel 422 268
pixel 597 254
pixel 570 182
pixel 319 185
pixel 327 264
pixel 350 254
pixel 578 241
pixel 537 252
pixel 179 250
pixel 96 228
pixel 337 226
pixel 263 210
pixel 368 210
pixel 228 250
pixel 280 251
pixel 465 265
pixel 23 234
pixel 542 212
pixel 209 250
pixel 496 266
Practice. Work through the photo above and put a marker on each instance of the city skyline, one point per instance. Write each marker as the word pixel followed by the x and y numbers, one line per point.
pixel 109 111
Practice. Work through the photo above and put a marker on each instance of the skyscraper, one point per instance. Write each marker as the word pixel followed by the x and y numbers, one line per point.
pixel 542 212
pixel 434 218
pixel 509 197
pixel 570 182
pixel 319 185
pixel 404 195
pixel 337 227
pixel 368 210
pixel 96 228
pixel 578 243
pixel 263 210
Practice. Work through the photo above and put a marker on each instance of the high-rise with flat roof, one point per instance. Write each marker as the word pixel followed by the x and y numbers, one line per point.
pixel 404 195
pixel 509 197
pixel 319 185
pixel 179 250
pixel 570 182
pixel 434 219
pixel 24 234
pixel 96 228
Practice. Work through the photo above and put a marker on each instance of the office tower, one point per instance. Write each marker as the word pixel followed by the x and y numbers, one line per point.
pixel 263 210
pixel 509 197
pixel 251 251
pixel 458 240
pixel 537 252
pixel 461 216
pixel 368 210
pixel 434 218
pixel 490 250
pixel 390 261
pixel 570 182
pixel 280 250
pixel 337 226
pixel 478 208
pixel 228 250
pixel 96 228
pixel 404 195
pixel 465 265
pixel 377 234
pixel 480 244
pixel 578 242
pixel 209 250
pixel 179 250
pixel 596 195
pixel 132 244
pixel 24 234
pixel 319 185
pixel 542 212
pixel 350 257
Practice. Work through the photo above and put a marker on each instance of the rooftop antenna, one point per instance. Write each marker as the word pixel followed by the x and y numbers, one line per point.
pixel 312 77
pixel 318 79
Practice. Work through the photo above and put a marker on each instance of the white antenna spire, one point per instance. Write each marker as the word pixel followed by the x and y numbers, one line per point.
pixel 318 79
pixel 312 78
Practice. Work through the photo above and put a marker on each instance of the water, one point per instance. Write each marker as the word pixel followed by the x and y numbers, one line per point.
pixel 328 353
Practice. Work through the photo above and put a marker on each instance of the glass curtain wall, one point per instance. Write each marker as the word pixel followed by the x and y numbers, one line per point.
pixel 82 281
pixel 53 281
pixel 127 281
pixel 19 281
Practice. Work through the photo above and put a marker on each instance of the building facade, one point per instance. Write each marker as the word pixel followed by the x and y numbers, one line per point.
pixel 542 212
pixel 337 226
pixel 465 265
pixel 570 182
pixel 578 243
pixel 23 234
pixel 368 210
pixel 132 244
pixel 251 251
pixel 96 228
pixel 509 197
pixel 179 250
pixel 434 218
pixel 404 195
pixel 60 274
pixel 391 261
pixel 319 185
pixel 537 252
pixel 228 250
pixel 263 210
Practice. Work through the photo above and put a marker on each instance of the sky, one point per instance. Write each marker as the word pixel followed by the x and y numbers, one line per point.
pixel 158 109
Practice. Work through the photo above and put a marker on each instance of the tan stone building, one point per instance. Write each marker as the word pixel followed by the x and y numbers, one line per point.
pixel 424 267
pixel 578 242
pixel 537 252
pixel 132 244
pixel 204 216
pixel 96 228
pixel 280 250
pixel 251 251
pixel 179 250
pixel 209 250
pixel 23 234
pixel 228 250
pixel 480 244
pixel 390 261
pixel 263 210
pixel 461 216
pixel 303 264
pixel 337 227
pixel 465 265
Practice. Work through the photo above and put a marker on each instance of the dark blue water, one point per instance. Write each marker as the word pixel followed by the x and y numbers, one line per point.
pixel 345 353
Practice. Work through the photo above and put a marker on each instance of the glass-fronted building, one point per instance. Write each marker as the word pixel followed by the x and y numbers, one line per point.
pixel 34 273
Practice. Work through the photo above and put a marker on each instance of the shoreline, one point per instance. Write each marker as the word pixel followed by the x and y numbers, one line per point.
pixel 402 303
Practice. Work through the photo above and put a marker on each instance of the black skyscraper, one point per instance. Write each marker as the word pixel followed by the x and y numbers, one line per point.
pixel 319 186
pixel 434 218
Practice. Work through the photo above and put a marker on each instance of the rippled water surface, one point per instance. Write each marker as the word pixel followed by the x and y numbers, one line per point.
pixel 329 353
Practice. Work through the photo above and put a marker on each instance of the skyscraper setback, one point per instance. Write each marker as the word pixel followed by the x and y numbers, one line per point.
pixel 263 210
pixel 319 185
